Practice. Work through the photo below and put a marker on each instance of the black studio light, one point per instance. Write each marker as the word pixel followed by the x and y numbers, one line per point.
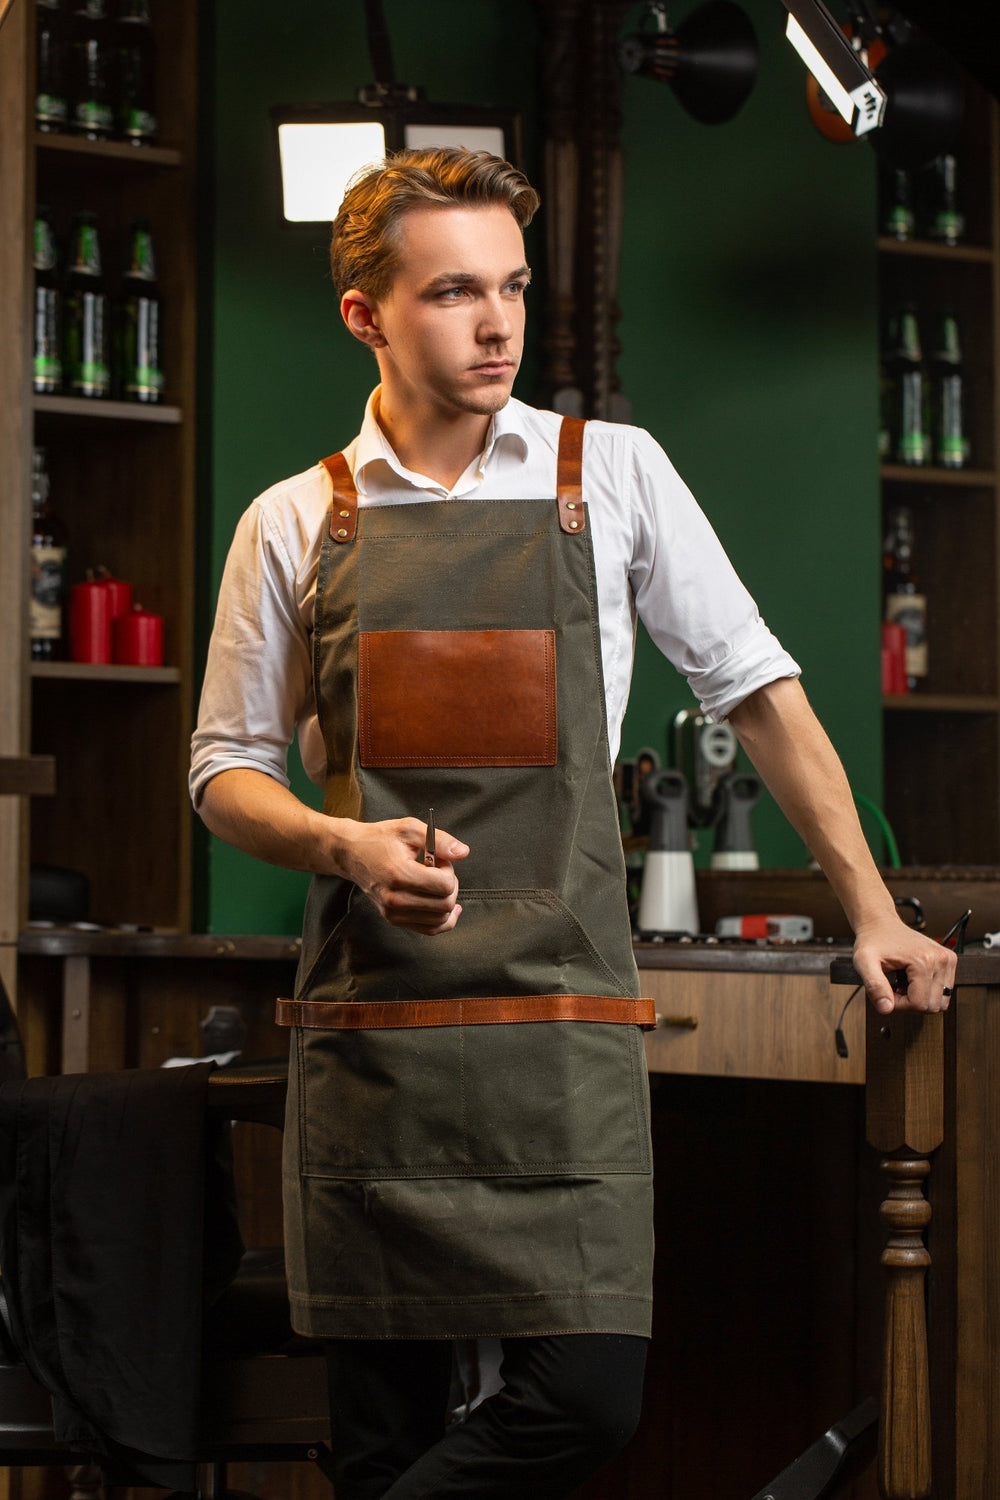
pixel 322 146
pixel 709 60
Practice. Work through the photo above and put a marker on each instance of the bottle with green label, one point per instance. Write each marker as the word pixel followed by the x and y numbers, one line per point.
pixel 139 360
pixel 896 194
pixel 48 567
pixel 946 222
pixel 136 55
pixel 907 392
pixel 90 63
pixel 47 361
pixel 951 440
pixel 51 98
pixel 87 365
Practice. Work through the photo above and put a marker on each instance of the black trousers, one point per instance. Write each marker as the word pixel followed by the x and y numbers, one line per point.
pixel 567 1405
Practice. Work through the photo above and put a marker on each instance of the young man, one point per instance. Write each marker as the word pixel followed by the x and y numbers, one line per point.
pixel 445 611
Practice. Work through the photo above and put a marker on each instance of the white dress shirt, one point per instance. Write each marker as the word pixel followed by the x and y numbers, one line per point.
pixel 656 557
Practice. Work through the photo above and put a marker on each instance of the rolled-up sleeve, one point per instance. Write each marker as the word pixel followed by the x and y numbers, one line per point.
pixel 258 676
pixel 688 594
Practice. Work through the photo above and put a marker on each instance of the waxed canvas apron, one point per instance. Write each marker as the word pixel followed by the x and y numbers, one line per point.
pixel 467 1180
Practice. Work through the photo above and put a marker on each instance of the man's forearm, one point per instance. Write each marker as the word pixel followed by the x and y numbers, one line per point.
pixel 260 816
pixel 793 754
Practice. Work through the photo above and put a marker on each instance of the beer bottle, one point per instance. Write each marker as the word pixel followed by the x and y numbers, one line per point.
pixel 136 51
pixel 905 604
pixel 951 443
pixel 51 100
pixel 140 371
pixel 48 567
pixel 896 191
pixel 88 371
pixel 908 394
pixel 945 222
pixel 47 366
pixel 91 106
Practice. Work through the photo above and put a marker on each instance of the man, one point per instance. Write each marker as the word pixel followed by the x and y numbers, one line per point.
pixel 445 611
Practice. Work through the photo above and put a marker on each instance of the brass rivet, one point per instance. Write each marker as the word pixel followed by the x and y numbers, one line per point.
pixel 345 513
pixel 573 525
pixel 571 505
pixel 342 531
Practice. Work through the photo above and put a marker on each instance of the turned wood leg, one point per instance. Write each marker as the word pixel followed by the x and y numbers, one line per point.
pixel 85 1482
pixel 904 1462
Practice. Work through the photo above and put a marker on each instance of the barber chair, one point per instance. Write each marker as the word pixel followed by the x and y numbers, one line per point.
pixel 831 1462
pixel 264 1389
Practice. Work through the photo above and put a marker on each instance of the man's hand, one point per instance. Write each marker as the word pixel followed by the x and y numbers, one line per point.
pixel 385 860
pixel 888 944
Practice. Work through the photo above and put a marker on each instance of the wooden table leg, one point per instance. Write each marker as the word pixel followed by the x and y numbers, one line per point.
pixel 905 1117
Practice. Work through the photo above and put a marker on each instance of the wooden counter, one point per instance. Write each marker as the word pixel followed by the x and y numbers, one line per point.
pixel 769 1288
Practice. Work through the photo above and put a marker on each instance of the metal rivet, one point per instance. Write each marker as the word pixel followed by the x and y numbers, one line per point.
pixel 342 532
pixel 345 513
pixel 571 505
pixel 573 525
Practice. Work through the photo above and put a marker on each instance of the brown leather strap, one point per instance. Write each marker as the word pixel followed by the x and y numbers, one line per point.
pixel 344 511
pixel 488 1010
pixel 569 476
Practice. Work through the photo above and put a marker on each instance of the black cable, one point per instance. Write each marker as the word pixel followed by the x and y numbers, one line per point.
pixel 379 46
pixel 838 1036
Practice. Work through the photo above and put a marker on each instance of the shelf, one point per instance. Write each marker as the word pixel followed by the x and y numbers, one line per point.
pixel 927 474
pixel 930 250
pixel 76 671
pixel 940 703
pixel 107 151
pixel 108 411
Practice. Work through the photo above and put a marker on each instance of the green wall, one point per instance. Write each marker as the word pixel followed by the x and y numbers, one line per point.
pixel 748 327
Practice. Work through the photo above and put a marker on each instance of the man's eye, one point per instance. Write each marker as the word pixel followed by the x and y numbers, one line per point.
pixel 452 293
pixel 516 288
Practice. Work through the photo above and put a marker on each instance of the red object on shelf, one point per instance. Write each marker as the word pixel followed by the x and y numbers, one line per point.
pixel 90 617
pixel 894 658
pixel 138 639
pixel 120 591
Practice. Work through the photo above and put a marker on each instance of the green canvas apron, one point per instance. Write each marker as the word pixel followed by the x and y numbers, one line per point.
pixel 465 1180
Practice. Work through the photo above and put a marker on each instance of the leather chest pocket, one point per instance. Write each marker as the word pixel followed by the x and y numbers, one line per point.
pixel 457 697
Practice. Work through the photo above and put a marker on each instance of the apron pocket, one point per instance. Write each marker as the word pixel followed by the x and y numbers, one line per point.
pixel 551 1098
pixel 457 698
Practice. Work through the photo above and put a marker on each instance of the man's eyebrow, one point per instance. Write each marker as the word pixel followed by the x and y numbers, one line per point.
pixel 469 278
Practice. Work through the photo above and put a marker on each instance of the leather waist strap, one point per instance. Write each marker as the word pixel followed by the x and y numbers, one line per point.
pixel 488 1010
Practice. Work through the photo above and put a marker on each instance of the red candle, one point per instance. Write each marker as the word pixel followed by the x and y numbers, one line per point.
pixel 138 639
pixel 121 595
pixel 90 619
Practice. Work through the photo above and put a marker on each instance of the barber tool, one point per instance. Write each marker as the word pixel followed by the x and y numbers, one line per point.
pixel 430 841
pixel 736 797
pixel 668 903
pixel 779 928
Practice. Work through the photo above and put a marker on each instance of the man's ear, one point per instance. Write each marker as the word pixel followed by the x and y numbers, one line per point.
pixel 360 314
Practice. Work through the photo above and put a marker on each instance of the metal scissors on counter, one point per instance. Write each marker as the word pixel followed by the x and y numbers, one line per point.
pixel 430 841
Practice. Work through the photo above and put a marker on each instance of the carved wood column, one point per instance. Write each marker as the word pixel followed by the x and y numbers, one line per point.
pixel 905 1120
pixel 583 205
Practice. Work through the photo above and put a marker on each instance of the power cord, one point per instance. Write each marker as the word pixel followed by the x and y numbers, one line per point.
pixel 838 1036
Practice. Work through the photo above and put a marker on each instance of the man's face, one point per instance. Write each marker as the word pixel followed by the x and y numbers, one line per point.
pixel 453 322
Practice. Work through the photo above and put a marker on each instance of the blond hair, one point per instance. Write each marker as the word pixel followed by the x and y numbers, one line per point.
pixel 364 250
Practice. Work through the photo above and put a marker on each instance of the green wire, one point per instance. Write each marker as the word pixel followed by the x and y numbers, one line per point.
pixel 891 847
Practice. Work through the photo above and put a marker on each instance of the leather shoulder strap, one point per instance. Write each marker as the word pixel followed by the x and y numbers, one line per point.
pixel 569 476
pixel 344 510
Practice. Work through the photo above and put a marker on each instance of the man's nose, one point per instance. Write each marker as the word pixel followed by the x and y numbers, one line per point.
pixel 496 321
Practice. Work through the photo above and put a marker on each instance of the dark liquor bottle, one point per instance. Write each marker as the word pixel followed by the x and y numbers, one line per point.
pixel 48 567
pixel 87 364
pixel 946 223
pixel 136 50
pixel 139 362
pixel 47 364
pixel 908 392
pixel 51 98
pixel 91 102
pixel 896 192
pixel 905 603
pixel 951 441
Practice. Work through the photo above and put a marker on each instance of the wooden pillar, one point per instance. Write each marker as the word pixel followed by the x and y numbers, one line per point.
pixel 905 1121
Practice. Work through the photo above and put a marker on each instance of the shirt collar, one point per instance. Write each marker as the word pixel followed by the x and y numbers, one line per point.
pixel 508 432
